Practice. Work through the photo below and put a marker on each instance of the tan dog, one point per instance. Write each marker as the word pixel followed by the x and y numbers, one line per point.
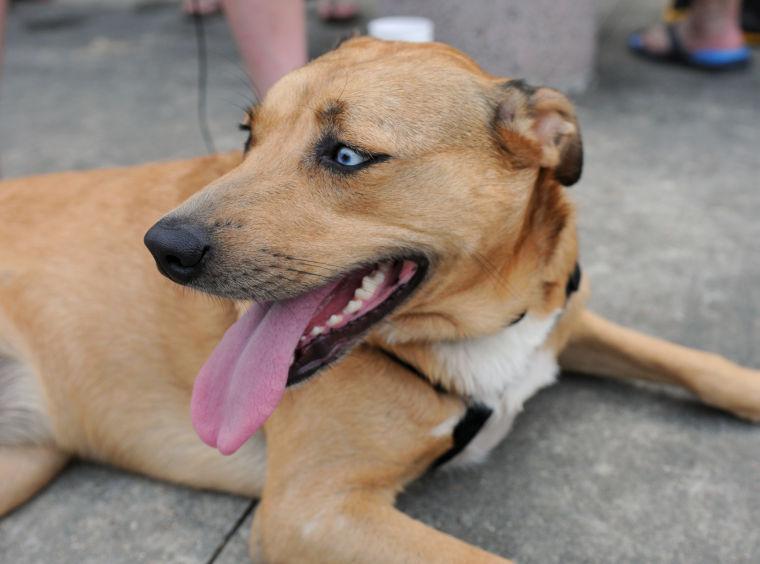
pixel 399 211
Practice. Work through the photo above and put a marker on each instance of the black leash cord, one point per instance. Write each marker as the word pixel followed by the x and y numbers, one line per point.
pixel 200 40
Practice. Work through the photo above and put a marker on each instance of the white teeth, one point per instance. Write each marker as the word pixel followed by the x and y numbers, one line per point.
pixel 353 306
pixel 369 284
pixel 363 293
pixel 303 339
pixel 378 277
pixel 316 331
pixel 334 320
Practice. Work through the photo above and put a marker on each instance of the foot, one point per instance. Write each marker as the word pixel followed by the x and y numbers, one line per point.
pixel 337 10
pixel 694 36
pixel 680 44
pixel 201 7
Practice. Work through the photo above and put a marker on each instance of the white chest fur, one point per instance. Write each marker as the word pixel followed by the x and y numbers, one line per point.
pixel 500 371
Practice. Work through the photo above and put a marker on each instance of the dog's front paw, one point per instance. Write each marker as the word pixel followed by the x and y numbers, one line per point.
pixel 733 388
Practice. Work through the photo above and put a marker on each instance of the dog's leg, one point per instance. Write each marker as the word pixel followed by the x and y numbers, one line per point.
pixel 600 347
pixel 339 449
pixel 24 470
pixel 360 527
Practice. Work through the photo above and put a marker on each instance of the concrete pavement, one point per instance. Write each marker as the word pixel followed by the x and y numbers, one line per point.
pixel 595 470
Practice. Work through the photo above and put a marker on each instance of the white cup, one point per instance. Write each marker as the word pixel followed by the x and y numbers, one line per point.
pixel 402 28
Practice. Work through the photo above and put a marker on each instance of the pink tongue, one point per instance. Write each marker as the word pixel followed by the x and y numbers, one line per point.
pixel 245 376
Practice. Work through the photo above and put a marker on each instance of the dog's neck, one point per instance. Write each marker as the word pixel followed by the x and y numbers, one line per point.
pixel 494 374
pixel 482 368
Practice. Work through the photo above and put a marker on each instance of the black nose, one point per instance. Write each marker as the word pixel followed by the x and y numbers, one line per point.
pixel 179 249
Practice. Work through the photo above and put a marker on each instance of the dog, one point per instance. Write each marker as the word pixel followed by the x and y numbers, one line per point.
pixel 400 220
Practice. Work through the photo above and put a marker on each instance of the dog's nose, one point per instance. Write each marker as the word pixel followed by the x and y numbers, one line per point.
pixel 179 249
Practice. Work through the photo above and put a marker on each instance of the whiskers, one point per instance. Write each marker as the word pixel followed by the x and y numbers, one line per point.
pixel 307 273
pixel 304 266
pixel 275 276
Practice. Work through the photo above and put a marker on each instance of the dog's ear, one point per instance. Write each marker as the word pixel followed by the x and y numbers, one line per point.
pixel 545 118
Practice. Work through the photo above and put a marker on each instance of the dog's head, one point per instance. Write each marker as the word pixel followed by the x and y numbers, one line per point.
pixel 385 185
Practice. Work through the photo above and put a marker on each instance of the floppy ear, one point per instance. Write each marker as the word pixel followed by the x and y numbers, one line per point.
pixel 546 119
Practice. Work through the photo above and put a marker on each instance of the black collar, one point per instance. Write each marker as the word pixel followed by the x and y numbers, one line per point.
pixel 573 283
pixel 477 414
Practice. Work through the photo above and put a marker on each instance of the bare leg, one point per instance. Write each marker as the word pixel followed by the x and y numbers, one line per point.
pixel 337 10
pixel 271 37
pixel 3 11
pixel 602 348
pixel 709 24
pixel 24 470
pixel 201 7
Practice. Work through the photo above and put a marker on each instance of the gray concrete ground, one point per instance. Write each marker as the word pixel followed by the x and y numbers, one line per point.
pixel 541 41
pixel 595 470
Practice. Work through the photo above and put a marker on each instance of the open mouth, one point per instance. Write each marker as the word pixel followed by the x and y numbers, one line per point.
pixel 283 343
pixel 358 302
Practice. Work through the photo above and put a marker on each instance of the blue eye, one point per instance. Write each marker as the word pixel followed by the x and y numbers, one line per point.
pixel 342 159
pixel 348 157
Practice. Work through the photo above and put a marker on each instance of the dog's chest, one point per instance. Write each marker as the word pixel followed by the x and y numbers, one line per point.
pixel 500 371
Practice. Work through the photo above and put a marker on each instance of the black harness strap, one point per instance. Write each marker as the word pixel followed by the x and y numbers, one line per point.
pixel 468 427
pixel 517 319
pixel 413 369
pixel 477 414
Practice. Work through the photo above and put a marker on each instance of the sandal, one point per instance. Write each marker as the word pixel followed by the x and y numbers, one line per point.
pixel 703 59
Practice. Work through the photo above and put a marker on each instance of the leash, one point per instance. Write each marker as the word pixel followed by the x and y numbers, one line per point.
pixel 202 86
pixel 477 414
